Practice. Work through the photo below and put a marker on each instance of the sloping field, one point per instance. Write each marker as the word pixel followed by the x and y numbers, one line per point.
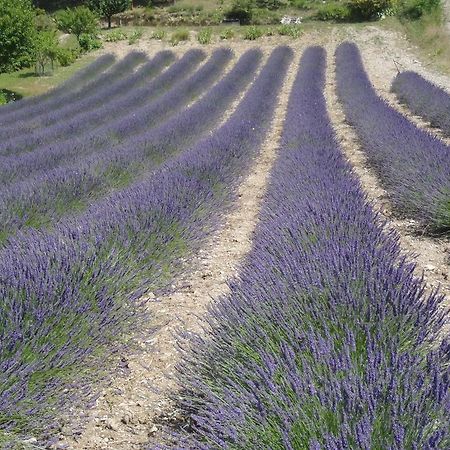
pixel 240 205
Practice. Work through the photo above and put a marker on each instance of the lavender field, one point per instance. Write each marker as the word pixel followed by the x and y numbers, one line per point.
pixel 114 183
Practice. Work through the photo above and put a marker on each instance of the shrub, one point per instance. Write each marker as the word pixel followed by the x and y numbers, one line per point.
pixel 252 33
pixel 134 37
pixel 228 33
pixel 289 30
pixel 114 36
pixel 414 9
pixel 241 10
pixel 77 21
pixel 178 36
pixel 89 42
pixel 269 4
pixel 300 4
pixel 334 11
pixel 367 9
pixel 17 34
pixel 67 56
pixel 3 100
pixel 158 34
pixel 204 36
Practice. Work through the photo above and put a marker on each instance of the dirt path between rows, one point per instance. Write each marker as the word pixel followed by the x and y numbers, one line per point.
pixel 430 254
pixel 129 411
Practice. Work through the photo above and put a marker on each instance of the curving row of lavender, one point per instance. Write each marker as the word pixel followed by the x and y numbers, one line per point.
pixel 73 84
pixel 325 341
pixel 122 82
pixel 67 292
pixel 122 68
pixel 101 111
pixel 45 198
pixel 413 165
pixel 423 98
pixel 159 100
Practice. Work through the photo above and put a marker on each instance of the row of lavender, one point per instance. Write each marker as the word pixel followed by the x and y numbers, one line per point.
pixel 73 84
pixel 68 292
pixel 424 99
pixel 413 165
pixel 325 341
pixel 46 197
pixel 120 102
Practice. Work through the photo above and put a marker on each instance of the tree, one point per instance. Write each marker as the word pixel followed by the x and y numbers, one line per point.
pixel 46 50
pixel 17 34
pixel 107 8
pixel 78 21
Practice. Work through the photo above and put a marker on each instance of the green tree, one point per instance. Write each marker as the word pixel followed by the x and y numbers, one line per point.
pixel 78 21
pixel 241 10
pixel 46 50
pixel 107 8
pixel 17 34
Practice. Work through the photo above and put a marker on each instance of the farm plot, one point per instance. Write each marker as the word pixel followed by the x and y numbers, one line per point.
pixel 110 185
pixel 326 338
pixel 68 290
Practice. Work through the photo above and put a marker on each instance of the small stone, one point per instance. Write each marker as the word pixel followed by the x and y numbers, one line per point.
pixel 153 429
pixel 111 424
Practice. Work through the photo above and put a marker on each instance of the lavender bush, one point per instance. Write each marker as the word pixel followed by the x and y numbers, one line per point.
pixel 413 165
pixel 74 83
pixel 326 339
pixel 68 291
pixel 45 198
pixel 424 99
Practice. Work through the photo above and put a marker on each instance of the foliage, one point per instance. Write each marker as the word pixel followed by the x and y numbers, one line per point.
pixel 338 12
pixel 67 56
pixel 17 34
pixel 89 42
pixel 115 36
pixel 159 34
pixel 367 9
pixel 300 4
pixel 179 36
pixel 269 4
pixel 253 32
pixel 46 50
pixel 241 10
pixel 204 36
pixel 414 9
pixel 134 37
pixel 227 33
pixel 107 8
pixel 77 21
pixel 293 31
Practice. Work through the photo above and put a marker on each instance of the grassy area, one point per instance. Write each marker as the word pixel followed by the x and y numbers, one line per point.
pixel 428 34
pixel 26 83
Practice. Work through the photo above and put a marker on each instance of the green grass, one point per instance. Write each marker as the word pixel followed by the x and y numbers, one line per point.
pixel 26 83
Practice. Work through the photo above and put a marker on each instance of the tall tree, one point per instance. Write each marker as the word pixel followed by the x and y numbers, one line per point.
pixel 17 34
pixel 107 8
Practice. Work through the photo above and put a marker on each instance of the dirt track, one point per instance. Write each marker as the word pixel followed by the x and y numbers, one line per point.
pixel 130 408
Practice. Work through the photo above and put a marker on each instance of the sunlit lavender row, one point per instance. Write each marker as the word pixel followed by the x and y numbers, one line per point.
pixel 413 165
pixel 50 195
pixel 423 98
pixel 18 110
pixel 69 291
pixel 325 341
pixel 107 113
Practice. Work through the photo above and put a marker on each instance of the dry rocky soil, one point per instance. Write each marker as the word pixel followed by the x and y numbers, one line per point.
pixel 134 404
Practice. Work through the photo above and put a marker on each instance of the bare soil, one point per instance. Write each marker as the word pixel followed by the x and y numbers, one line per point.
pixel 131 406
